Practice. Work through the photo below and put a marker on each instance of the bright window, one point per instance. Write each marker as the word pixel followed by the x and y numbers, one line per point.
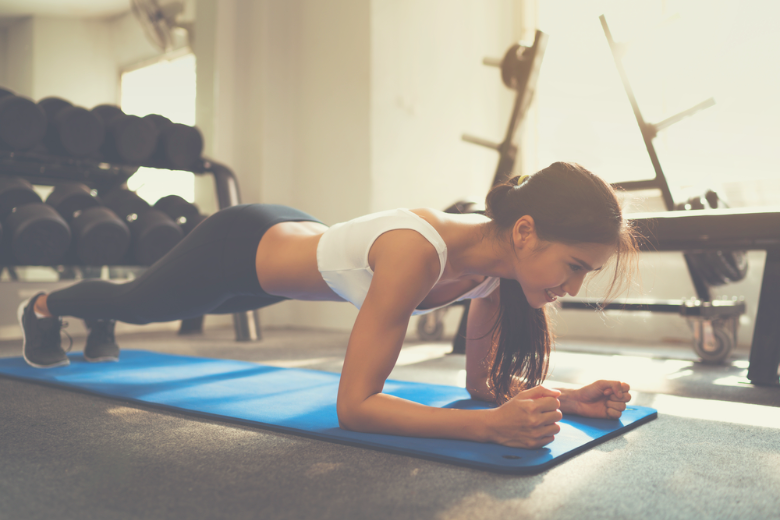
pixel 682 52
pixel 166 88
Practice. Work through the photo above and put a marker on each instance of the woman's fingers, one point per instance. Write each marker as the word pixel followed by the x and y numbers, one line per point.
pixel 617 389
pixel 547 404
pixel 551 417
pixel 616 405
pixel 615 409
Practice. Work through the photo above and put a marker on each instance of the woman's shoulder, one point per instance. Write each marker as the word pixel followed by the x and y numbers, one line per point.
pixel 443 217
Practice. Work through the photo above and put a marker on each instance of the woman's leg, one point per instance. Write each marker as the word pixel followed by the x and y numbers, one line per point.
pixel 214 264
pixel 211 271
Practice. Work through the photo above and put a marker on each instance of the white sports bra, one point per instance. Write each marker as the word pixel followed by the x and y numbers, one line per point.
pixel 342 254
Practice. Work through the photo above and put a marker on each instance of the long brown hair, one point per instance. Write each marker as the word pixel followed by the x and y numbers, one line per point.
pixel 569 204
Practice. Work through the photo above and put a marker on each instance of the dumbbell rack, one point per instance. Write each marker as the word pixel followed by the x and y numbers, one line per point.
pixel 44 169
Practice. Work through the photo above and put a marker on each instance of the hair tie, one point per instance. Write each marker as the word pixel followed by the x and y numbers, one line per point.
pixel 522 179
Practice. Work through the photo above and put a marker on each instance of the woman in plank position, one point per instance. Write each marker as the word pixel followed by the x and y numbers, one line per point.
pixel 539 238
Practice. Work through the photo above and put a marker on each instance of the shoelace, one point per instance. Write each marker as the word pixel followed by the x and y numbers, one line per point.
pixel 70 339
pixel 54 331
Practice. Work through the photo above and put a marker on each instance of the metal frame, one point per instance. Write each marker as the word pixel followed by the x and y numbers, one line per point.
pixel 649 131
pixel 524 70
pixel 765 350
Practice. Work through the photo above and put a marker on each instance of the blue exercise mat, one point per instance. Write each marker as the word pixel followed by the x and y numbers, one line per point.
pixel 303 402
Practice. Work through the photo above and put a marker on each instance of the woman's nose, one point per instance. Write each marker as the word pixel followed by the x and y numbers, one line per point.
pixel 573 285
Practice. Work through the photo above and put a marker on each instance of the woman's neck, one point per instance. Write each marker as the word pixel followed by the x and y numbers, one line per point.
pixel 480 250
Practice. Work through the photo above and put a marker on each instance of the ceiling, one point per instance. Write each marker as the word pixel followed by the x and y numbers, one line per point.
pixel 66 8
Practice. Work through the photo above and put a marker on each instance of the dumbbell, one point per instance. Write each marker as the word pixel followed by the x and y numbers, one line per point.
pixel 71 130
pixel 15 192
pixel 182 212
pixel 179 147
pixel 34 233
pixel 22 122
pixel 107 112
pixel 99 236
pixel 153 232
pixel 715 267
pixel 129 139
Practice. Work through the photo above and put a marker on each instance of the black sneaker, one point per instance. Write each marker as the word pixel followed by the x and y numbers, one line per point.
pixel 101 345
pixel 42 347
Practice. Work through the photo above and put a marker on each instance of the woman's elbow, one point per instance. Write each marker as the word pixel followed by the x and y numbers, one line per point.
pixel 348 415
pixel 480 390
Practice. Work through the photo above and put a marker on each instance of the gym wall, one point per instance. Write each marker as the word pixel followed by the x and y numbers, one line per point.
pixel 345 107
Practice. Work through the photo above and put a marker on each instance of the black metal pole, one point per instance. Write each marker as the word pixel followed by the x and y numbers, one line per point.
pixel 765 350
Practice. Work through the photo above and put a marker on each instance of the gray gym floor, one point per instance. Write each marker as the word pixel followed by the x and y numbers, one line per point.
pixel 713 452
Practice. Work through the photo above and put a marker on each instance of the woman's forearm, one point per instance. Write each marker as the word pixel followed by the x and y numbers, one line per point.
pixel 382 413
pixel 568 405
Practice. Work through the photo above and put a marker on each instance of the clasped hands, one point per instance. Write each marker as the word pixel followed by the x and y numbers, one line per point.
pixel 530 418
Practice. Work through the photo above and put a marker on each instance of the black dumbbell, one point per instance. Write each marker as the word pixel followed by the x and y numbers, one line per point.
pixel 715 267
pixel 35 234
pixel 179 147
pixel 158 121
pixel 70 199
pixel 99 236
pixel 52 105
pixel 129 139
pixel 153 232
pixel 107 112
pixel 72 130
pixel 182 212
pixel 22 122
pixel 15 192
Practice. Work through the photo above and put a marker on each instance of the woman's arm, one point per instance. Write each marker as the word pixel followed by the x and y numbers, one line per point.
pixel 406 267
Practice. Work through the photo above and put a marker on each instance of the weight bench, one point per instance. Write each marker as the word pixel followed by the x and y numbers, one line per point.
pixel 723 230
pixel 705 230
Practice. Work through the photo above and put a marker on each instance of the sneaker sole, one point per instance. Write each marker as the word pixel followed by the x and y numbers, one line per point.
pixel 101 359
pixel 19 316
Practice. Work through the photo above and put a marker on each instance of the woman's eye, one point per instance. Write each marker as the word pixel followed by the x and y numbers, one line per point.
pixel 575 267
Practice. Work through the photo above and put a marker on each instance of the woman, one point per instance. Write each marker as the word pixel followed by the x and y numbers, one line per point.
pixel 539 238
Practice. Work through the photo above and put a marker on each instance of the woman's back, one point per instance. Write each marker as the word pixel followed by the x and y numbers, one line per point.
pixel 287 258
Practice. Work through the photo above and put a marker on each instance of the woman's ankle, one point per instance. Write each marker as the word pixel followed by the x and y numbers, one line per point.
pixel 40 307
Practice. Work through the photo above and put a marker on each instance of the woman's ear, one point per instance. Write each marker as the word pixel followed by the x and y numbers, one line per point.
pixel 524 232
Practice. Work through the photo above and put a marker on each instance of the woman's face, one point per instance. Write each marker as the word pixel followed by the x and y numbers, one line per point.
pixel 549 270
